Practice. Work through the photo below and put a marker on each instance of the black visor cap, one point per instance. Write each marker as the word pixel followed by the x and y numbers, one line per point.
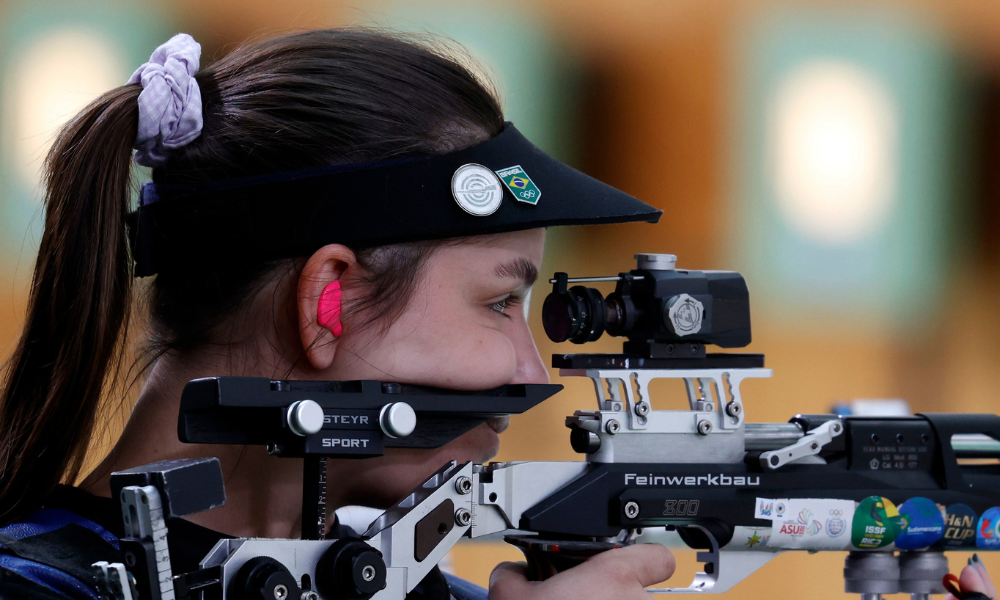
pixel 286 215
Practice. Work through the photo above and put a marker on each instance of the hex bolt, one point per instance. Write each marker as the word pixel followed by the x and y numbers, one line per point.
pixel 309 596
pixel 642 409
pixel 612 427
pixel 733 409
pixel 463 485
pixel 463 517
pixel 280 592
pixel 704 427
pixel 631 509
pixel 368 573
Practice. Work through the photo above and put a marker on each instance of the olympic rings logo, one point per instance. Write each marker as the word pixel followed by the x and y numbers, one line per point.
pixel 527 194
pixel 836 512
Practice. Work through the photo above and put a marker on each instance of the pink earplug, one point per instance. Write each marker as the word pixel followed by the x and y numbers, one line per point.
pixel 328 311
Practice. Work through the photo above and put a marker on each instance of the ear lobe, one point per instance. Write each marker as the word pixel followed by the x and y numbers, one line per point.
pixel 320 292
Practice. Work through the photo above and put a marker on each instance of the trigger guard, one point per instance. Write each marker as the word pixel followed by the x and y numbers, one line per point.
pixel 720 574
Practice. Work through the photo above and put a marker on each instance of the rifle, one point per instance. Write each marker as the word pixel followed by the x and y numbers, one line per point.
pixel 896 493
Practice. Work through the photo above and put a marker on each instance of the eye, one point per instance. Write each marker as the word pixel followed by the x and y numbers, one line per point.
pixel 506 304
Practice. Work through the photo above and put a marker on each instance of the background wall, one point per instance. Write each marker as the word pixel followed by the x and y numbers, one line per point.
pixel 700 108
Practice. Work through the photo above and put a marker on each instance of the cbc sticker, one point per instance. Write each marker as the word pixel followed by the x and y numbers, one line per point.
pixel 988 530
pixel 476 189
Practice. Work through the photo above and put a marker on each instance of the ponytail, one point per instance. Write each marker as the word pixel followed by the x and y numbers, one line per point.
pixel 72 344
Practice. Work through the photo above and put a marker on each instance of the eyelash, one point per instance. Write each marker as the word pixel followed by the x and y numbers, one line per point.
pixel 507 303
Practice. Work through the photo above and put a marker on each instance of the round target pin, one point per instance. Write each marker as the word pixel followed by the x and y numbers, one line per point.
pixel 476 189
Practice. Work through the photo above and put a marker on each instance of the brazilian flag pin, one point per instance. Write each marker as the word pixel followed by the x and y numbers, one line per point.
pixel 519 184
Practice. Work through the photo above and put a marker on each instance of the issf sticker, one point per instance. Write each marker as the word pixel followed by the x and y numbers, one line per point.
pixel 959 527
pixel 876 523
pixel 921 524
pixel 988 530
pixel 807 523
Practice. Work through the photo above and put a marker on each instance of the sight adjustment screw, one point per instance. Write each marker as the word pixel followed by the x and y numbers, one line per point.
pixel 463 485
pixel 642 409
pixel 631 509
pixel 463 517
pixel 704 427
pixel 612 427
pixel 733 409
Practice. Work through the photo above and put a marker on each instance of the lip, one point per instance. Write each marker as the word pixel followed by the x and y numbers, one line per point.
pixel 498 424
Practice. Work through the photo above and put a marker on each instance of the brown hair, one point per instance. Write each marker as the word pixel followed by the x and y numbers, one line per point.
pixel 293 102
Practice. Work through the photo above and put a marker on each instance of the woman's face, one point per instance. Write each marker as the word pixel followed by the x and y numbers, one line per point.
pixel 464 328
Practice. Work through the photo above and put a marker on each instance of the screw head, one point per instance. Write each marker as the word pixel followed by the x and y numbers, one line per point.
pixel 463 485
pixel 631 509
pixel 280 592
pixel 309 596
pixel 368 573
pixel 642 409
pixel 733 409
pixel 463 517
pixel 704 427
pixel 613 427
pixel 129 559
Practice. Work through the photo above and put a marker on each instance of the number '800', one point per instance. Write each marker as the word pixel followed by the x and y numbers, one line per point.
pixel 681 508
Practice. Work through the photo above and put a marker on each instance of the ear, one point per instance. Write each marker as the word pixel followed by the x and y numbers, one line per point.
pixel 326 265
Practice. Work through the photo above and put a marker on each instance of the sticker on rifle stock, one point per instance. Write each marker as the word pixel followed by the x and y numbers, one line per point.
pixel 921 525
pixel 876 523
pixel 960 526
pixel 750 538
pixel 988 530
pixel 807 523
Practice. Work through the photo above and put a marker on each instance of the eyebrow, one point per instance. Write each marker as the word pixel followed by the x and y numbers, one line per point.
pixel 519 268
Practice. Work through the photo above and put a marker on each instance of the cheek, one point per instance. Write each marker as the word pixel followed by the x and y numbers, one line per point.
pixel 446 345
pixel 480 360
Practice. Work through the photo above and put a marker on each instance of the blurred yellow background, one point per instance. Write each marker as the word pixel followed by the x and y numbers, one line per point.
pixel 844 155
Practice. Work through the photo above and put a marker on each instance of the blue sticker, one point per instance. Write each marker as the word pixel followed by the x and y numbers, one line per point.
pixel 988 530
pixel 923 524
pixel 959 527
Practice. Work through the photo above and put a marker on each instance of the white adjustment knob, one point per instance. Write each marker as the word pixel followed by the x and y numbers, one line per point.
pixel 397 419
pixel 305 417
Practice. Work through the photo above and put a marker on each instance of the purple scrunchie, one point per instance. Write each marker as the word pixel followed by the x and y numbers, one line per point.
pixel 170 102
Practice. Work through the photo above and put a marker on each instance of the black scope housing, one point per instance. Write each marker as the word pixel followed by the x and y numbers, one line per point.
pixel 652 304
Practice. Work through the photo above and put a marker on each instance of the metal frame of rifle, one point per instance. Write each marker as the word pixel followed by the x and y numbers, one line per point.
pixel 410 538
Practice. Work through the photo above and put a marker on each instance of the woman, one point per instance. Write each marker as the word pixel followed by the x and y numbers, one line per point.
pixel 300 226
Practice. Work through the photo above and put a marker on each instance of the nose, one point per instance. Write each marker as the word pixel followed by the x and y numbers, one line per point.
pixel 530 368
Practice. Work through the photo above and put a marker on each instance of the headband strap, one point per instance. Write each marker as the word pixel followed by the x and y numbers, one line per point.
pixel 282 215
